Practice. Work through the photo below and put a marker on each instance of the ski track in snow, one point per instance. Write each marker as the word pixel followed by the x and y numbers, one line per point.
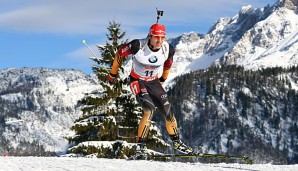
pixel 94 164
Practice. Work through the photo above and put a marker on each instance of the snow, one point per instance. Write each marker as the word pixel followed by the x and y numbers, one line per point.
pixel 104 144
pixel 86 164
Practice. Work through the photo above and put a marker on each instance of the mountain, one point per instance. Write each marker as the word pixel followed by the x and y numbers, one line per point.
pixel 270 42
pixel 254 38
pixel 229 110
pixel 244 101
pixel 39 105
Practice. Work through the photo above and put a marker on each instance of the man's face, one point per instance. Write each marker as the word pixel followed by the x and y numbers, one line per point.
pixel 157 40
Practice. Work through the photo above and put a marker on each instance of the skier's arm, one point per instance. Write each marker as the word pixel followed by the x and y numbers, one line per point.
pixel 119 56
pixel 129 48
pixel 116 64
pixel 168 64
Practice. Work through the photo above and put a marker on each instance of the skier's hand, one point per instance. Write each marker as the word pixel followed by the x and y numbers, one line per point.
pixel 161 80
pixel 112 78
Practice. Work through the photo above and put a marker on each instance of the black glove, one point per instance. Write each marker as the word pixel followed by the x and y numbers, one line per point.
pixel 162 80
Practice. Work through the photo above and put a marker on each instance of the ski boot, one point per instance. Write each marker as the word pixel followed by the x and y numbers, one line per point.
pixel 180 146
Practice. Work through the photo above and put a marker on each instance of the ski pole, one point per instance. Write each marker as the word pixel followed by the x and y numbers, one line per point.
pixel 84 42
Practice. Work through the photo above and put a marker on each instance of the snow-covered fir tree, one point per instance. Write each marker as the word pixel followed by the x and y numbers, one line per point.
pixel 110 117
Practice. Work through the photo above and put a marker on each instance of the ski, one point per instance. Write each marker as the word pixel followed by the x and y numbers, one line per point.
pixel 138 157
pixel 245 159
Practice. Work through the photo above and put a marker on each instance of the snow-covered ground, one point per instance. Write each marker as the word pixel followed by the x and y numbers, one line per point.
pixel 94 164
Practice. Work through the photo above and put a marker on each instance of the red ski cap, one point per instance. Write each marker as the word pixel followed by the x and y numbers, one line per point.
pixel 157 30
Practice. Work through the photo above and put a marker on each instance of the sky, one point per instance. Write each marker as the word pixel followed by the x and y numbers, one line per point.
pixel 95 164
pixel 49 34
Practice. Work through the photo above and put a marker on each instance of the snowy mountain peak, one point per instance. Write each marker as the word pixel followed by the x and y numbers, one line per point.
pixel 269 43
pixel 289 4
pixel 253 38
pixel 245 9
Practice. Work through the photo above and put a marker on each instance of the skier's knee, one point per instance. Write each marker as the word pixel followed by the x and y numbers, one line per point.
pixel 147 110
pixel 146 103
pixel 148 106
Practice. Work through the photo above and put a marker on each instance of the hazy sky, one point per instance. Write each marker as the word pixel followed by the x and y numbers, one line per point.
pixel 49 33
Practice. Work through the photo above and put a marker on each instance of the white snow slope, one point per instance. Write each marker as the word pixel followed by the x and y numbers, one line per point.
pixel 94 164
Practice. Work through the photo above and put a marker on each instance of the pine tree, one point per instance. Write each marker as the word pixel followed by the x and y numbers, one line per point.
pixel 111 114
pixel 101 110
